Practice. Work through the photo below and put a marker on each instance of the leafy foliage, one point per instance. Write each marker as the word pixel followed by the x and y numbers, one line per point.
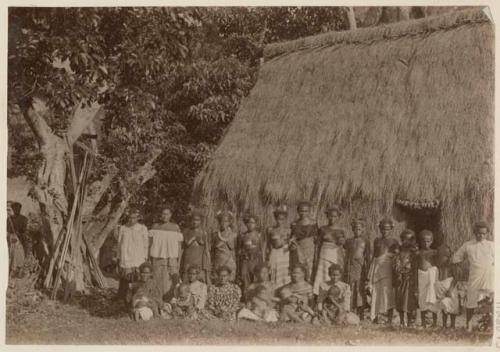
pixel 169 78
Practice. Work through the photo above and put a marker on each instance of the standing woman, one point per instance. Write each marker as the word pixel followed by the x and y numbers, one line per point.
pixel 304 234
pixel 223 244
pixel 278 255
pixel 357 264
pixel 133 243
pixel 196 251
pixel 165 252
pixel 250 250
pixel 328 252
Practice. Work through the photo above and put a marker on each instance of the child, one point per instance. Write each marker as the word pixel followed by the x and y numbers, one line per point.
pixel 448 300
pixel 380 283
pixel 259 307
pixel 278 255
pixel 331 252
pixel 335 273
pixel 357 264
pixel 333 309
pixel 250 252
pixel 294 308
pixel 198 289
pixel 427 278
pixel 405 278
pixel 181 306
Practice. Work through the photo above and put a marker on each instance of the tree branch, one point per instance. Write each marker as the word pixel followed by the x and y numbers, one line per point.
pixel 37 123
pixel 81 119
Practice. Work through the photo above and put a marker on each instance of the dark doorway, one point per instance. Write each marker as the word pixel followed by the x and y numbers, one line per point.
pixel 418 219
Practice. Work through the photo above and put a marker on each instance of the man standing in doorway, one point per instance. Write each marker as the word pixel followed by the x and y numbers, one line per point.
pixel 480 254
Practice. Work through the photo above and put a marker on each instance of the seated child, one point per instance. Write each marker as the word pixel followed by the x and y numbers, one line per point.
pixel 293 307
pixel 259 307
pixel 143 308
pixel 333 309
pixel 198 289
pixel 182 305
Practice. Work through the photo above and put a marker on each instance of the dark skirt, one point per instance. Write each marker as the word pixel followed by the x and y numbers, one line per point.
pixel 405 294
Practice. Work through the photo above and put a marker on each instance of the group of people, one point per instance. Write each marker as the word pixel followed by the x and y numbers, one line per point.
pixel 299 272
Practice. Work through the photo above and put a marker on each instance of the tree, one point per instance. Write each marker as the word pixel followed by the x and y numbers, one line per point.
pixel 69 60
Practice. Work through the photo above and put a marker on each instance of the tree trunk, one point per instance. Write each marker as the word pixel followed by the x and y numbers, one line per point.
pixel 351 18
pixel 104 220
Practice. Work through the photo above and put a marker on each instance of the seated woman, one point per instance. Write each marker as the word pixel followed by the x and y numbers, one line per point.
pixel 296 297
pixel 259 307
pixel 335 273
pixel 224 296
pixel 145 297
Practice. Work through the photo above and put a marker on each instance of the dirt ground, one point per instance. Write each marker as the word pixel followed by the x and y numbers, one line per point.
pixel 98 319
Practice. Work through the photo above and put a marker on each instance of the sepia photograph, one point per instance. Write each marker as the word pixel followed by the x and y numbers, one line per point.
pixel 285 175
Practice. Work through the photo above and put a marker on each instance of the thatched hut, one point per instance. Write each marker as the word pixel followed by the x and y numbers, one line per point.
pixel 395 119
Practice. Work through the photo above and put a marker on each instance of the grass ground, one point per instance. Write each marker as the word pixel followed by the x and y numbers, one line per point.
pixel 97 319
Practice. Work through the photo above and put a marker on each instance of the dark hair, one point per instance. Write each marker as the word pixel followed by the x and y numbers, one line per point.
pixel 385 221
pixel 16 206
pixel 196 214
pixel 333 208
pixel 167 207
pixel 248 217
pixel 359 220
pixel 304 203
pixel 224 214
pixel 406 232
pixel 337 232
pixel 481 225
pixel 222 268
pixel 145 265
pixel 194 267
pixel 259 267
pixel 334 267
pixel 424 233
pixel 300 266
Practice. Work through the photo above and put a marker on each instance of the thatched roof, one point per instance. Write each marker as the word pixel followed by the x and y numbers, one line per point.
pixel 403 111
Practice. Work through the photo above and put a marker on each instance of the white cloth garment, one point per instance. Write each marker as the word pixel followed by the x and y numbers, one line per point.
pixel 427 298
pixel 481 257
pixel 165 243
pixel 132 245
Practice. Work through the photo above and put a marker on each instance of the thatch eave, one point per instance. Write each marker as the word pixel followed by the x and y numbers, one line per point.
pixel 384 32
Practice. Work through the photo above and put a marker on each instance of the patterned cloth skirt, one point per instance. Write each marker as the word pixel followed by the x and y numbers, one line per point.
pixel 279 263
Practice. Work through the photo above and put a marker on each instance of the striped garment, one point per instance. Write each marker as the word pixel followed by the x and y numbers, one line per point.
pixel 279 263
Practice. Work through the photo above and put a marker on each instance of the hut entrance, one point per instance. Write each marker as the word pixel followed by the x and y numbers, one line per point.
pixel 420 216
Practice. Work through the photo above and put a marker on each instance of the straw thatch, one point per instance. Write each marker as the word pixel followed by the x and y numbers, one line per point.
pixel 364 118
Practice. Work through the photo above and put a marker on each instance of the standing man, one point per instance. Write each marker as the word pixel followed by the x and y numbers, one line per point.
pixel 480 254
pixel 18 224
pixel 132 250
pixel 165 252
